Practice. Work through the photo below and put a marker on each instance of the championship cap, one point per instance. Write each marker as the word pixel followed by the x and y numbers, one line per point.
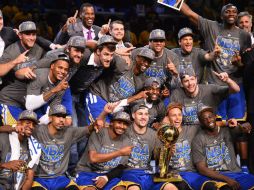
pixel 185 32
pixel 151 80
pixel 27 26
pixel 57 55
pixel 227 6
pixel 147 53
pixel 138 106
pixel 202 108
pixel 187 71
pixel 28 115
pixel 106 39
pixel 173 105
pixel 157 34
pixel 121 116
pixel 57 110
pixel 77 41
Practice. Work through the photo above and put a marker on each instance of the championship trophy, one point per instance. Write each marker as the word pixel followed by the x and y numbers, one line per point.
pixel 19 177
pixel 168 135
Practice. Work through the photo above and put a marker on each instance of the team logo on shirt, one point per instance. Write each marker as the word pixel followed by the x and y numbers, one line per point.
pixel 229 45
pixel 181 158
pixel 112 163
pixel 218 156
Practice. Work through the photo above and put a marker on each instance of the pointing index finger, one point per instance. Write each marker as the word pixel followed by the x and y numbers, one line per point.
pixel 76 14
pixel 109 21
pixel 217 74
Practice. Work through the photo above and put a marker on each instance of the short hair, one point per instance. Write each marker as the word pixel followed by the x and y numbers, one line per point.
pixel 111 47
pixel 85 5
pixel 242 14
pixel 115 22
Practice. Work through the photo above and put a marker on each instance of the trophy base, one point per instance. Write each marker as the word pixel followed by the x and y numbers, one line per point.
pixel 171 177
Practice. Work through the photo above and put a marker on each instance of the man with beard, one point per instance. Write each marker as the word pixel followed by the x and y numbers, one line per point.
pixel 82 26
pixel 50 85
pixel 193 57
pixel 107 150
pixel 214 156
pixel 191 94
pixel 15 151
pixel 233 42
pixel 56 140
pixel 138 174
pixel 118 82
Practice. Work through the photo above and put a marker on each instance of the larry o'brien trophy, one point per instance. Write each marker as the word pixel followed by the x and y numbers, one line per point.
pixel 168 135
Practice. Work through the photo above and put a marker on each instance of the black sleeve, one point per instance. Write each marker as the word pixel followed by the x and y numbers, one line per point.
pixel 44 43
pixel 116 172
pixel 61 38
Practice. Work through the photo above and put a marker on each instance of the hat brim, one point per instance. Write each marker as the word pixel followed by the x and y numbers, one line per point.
pixel 58 114
pixel 30 119
pixel 170 107
pixel 159 38
pixel 124 120
pixel 210 109
pixel 188 34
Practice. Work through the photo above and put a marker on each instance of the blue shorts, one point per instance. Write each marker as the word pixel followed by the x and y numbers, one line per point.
pixel 234 106
pixel 139 177
pixel 56 183
pixel 85 179
pixel 10 114
pixel 197 181
pixel 94 106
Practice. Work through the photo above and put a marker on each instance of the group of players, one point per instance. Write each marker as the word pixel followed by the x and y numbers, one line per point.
pixel 121 95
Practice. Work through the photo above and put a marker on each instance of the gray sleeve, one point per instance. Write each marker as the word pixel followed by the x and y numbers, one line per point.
pixel 201 54
pixel 78 133
pixel 6 57
pixel 197 150
pixel 120 66
pixel 220 91
pixel 175 96
pixel 206 27
pixel 34 87
pixel 94 141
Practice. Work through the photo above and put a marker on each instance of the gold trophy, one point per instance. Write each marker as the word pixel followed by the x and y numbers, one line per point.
pixel 168 135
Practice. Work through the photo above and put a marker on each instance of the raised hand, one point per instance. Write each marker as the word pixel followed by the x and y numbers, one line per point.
pixel 21 58
pixel 126 151
pixel 72 20
pixel 222 76
pixel 171 67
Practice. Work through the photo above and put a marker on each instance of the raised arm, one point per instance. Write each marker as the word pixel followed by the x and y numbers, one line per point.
pixel 192 16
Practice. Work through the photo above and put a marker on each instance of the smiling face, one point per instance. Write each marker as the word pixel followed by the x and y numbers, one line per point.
pixel 59 69
pixel 245 23
pixel 157 45
pixel 119 127
pixel 27 39
pixel 75 54
pixel 28 127
pixel 186 44
pixel 141 117
pixel 88 16
pixel 189 84
pixel 105 56
pixel 229 16
pixel 117 31
pixel 175 117
pixel 153 92
pixel 208 120
pixel 142 63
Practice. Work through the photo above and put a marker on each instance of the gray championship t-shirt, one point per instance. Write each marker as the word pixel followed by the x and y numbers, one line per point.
pixel 230 41
pixel 144 144
pixel 15 90
pixel 100 87
pixel 55 152
pixel 209 95
pixel 195 60
pixel 103 144
pixel 181 160
pixel 216 151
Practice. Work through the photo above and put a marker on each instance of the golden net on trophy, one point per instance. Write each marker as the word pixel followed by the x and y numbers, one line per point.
pixel 168 135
